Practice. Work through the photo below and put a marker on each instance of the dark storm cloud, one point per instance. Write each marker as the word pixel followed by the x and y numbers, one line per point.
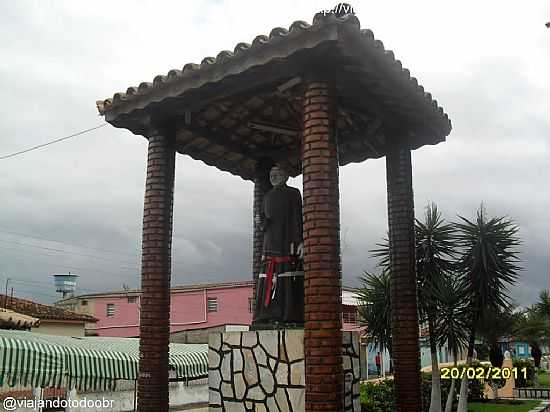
pixel 58 58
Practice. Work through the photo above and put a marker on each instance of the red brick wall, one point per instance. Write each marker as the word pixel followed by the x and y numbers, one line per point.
pixel 406 351
pixel 261 187
pixel 155 276
pixel 323 301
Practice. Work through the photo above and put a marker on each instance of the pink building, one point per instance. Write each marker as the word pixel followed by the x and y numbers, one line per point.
pixel 195 310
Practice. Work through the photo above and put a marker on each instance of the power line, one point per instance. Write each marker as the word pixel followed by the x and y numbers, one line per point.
pixel 67 252
pixel 81 270
pixel 29 286
pixel 14 249
pixel 38 283
pixel 175 259
pixel 31 291
pixel 52 142
pixel 64 243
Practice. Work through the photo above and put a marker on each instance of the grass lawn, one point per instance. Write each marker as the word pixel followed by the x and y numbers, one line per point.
pixel 544 379
pixel 518 406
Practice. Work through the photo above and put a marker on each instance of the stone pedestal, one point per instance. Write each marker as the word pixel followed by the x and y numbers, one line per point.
pixel 507 391
pixel 265 371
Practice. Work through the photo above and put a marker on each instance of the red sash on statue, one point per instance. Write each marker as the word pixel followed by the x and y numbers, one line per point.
pixel 271 261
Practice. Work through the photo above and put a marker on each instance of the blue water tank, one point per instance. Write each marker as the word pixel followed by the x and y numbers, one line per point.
pixel 65 283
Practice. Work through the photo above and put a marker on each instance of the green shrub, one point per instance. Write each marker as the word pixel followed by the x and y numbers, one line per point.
pixel 378 397
pixel 521 382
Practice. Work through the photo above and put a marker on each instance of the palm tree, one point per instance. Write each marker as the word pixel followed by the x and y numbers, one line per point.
pixel 451 323
pixel 542 307
pixel 493 325
pixel 435 250
pixel 434 258
pixel 375 308
pixel 488 265
pixel 533 326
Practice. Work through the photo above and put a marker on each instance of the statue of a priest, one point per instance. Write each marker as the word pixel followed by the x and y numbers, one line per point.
pixel 280 287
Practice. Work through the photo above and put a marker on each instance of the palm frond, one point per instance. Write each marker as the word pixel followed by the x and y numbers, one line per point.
pixel 451 327
pixel 489 263
pixel 374 308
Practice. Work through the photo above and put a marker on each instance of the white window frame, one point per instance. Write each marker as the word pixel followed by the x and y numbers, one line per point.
pixel 110 310
pixel 212 304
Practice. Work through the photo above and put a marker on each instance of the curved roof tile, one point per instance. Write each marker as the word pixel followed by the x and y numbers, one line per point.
pixel 41 311
pixel 276 34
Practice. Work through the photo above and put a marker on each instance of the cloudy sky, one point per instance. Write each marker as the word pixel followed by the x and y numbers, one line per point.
pixel 77 205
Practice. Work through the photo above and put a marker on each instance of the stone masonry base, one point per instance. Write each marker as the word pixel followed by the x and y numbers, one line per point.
pixel 264 371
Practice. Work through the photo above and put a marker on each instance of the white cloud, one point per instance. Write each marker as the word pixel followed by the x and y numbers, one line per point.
pixel 487 63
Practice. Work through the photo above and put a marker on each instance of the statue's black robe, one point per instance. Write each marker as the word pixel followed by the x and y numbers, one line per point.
pixel 282 219
pixel 282 226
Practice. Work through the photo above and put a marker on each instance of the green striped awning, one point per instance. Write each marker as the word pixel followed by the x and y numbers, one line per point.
pixel 29 362
pixel 87 363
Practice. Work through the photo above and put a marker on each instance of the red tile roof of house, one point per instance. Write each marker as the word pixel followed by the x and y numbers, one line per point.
pixel 41 311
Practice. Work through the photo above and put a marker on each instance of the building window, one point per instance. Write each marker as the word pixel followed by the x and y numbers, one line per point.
pixel 349 317
pixel 131 299
pixel 251 305
pixel 212 304
pixel 110 309
pixel 84 303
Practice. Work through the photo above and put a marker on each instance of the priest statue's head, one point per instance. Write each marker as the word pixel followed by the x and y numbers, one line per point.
pixel 278 176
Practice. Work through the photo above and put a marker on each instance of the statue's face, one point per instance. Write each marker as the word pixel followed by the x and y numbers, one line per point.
pixel 277 176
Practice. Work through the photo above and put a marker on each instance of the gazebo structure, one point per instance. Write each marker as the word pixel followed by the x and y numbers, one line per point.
pixel 318 97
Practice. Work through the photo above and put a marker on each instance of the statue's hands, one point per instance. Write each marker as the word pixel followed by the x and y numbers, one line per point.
pixel 260 222
pixel 300 250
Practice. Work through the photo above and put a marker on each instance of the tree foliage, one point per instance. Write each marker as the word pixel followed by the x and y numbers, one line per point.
pixel 488 265
pixel 542 307
pixel 452 315
pixel 489 260
pixel 493 325
pixel 375 308
pixel 435 252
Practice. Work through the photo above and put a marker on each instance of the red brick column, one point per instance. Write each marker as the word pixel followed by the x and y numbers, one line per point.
pixel 406 351
pixel 323 296
pixel 261 187
pixel 155 276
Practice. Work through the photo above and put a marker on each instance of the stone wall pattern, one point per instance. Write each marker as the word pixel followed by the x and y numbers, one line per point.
pixel 264 371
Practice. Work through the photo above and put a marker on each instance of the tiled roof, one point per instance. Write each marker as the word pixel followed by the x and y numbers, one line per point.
pixel 41 311
pixel 211 68
pixel 237 109
pixel 11 319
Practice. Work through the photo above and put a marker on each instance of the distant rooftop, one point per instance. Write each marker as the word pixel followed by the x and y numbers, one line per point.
pixel 182 288
pixel 41 311
pixel 10 319
pixel 197 286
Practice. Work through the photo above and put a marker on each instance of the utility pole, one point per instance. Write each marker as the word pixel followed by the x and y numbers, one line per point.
pixel 6 294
